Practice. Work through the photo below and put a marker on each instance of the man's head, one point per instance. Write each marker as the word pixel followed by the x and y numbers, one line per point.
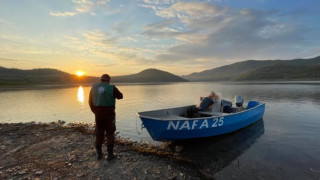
pixel 212 94
pixel 105 78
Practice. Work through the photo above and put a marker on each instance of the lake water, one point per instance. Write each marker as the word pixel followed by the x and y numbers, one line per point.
pixel 285 144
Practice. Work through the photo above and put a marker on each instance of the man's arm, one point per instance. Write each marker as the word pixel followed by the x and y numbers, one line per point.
pixel 116 93
pixel 91 101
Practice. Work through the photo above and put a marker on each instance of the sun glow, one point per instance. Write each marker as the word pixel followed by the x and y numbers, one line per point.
pixel 79 73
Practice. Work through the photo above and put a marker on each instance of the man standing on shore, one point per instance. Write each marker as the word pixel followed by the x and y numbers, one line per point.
pixel 102 103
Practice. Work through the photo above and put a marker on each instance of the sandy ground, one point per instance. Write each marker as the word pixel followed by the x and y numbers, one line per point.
pixel 54 151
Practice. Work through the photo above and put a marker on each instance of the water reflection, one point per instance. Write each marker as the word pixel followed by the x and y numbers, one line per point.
pixel 80 95
pixel 290 129
pixel 217 152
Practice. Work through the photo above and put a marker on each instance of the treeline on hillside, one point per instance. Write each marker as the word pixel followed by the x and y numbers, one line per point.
pixel 297 69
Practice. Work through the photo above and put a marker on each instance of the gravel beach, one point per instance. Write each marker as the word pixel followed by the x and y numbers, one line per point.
pixel 54 151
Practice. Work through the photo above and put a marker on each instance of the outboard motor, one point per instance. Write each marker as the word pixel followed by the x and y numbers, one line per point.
pixel 238 100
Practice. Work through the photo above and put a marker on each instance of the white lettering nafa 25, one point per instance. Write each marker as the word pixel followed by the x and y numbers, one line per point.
pixel 195 124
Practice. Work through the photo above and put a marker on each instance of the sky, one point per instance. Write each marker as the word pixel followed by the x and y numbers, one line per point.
pixel 122 37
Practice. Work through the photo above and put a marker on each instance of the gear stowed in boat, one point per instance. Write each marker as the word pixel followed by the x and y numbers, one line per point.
pixel 178 123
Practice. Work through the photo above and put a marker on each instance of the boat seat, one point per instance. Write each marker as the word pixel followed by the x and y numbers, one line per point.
pixel 252 104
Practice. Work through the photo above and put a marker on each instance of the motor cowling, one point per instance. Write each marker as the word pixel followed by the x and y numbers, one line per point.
pixel 238 101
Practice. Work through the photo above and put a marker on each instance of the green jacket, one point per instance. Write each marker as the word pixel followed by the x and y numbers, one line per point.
pixel 102 94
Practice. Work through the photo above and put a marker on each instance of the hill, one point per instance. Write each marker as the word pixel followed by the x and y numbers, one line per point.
pixel 249 70
pixel 34 76
pixel 148 75
pixel 46 76
pixel 297 69
pixel 282 72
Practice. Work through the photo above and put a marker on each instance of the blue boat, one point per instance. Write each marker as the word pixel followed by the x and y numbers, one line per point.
pixel 173 124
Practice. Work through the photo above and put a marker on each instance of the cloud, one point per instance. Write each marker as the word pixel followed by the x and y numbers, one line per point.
pixel 99 37
pixel 8 59
pixel 62 14
pixel 158 2
pixel 106 65
pixel 101 45
pixel 185 10
pixel 121 26
pixel 81 6
pixel 208 31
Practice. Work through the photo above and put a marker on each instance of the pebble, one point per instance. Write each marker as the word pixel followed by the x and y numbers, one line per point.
pixel 80 175
pixel 39 172
pixel 22 172
pixel 157 171
pixel 3 147
pixel 178 149
pixel 169 168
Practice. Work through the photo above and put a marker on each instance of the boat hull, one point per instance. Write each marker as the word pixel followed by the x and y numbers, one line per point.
pixel 164 129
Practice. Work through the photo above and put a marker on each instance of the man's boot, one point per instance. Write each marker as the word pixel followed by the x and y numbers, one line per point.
pixel 99 152
pixel 110 153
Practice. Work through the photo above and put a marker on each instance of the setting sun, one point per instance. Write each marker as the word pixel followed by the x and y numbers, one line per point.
pixel 79 73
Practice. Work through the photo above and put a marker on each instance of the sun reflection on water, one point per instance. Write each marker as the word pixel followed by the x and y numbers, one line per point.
pixel 81 95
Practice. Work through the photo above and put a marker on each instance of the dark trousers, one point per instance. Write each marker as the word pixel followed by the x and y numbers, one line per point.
pixel 105 124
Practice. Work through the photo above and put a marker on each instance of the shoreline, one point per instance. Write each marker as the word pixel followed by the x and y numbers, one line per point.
pixel 56 151
pixel 57 86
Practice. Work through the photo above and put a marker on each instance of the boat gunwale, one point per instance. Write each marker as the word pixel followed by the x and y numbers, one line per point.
pixel 197 118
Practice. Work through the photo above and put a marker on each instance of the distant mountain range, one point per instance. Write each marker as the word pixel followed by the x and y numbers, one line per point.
pixel 18 77
pixel 297 69
pixel 250 70
pixel 149 75
pixel 282 72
